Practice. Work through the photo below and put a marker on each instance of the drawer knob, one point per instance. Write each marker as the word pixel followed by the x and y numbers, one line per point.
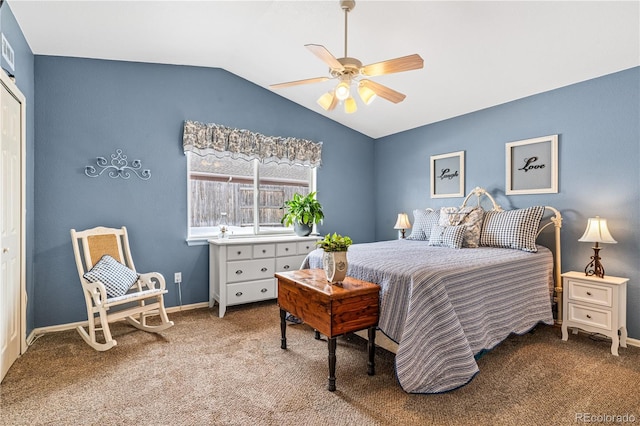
pixel 286 267
pixel 239 252
pixel 239 271
pixel 588 293
pixel 264 290
pixel 263 270
pixel 264 251
pixel 239 294
pixel 286 249
pixel 588 316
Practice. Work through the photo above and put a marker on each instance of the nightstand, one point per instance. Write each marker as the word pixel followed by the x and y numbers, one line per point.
pixel 597 305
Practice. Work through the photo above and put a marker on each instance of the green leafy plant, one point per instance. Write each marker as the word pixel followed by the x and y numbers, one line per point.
pixel 302 209
pixel 334 242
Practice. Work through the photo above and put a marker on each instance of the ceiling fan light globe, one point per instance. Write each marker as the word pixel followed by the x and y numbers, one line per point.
pixel 350 105
pixel 327 101
pixel 366 94
pixel 343 91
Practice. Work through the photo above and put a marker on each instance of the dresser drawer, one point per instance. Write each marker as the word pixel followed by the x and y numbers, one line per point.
pixel 251 291
pixel 286 249
pixel 306 247
pixel 588 293
pixel 264 250
pixel 587 315
pixel 239 252
pixel 248 270
pixel 289 263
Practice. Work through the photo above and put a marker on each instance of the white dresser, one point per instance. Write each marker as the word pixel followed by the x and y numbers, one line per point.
pixel 241 269
pixel 597 305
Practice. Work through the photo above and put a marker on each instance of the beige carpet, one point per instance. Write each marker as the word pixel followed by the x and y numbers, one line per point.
pixel 231 371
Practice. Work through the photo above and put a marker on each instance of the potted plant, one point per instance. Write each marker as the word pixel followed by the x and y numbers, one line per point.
pixel 334 259
pixel 302 212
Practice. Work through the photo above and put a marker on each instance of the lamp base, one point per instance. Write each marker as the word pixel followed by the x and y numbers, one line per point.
pixel 595 268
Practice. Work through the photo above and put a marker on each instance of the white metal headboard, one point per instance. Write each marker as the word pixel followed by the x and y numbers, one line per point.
pixel 555 219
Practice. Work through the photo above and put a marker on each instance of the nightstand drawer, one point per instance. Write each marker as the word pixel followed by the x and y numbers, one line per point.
pixel 593 317
pixel 588 293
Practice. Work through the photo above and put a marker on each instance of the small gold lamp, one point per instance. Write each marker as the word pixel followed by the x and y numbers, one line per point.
pixel 596 232
pixel 402 223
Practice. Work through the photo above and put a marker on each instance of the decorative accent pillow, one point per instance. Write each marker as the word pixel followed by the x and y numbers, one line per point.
pixel 447 236
pixel 514 229
pixel 471 217
pixel 116 277
pixel 423 221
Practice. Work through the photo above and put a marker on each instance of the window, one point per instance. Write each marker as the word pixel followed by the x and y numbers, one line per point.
pixel 245 196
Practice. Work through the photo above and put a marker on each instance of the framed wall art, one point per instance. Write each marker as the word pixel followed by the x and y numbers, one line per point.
pixel 447 175
pixel 532 166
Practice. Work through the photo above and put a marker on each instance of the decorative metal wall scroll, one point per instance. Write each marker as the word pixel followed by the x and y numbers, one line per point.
pixel 118 167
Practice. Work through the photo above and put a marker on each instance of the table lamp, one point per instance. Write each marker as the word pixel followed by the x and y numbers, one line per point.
pixel 596 232
pixel 402 223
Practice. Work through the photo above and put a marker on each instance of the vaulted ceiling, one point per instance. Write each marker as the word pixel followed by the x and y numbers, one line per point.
pixel 476 54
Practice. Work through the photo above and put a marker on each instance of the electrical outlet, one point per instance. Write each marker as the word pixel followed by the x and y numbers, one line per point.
pixel 177 277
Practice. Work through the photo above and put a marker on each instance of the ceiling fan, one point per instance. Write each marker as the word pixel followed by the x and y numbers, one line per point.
pixel 350 72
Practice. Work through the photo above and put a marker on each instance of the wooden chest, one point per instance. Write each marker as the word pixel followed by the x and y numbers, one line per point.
pixel 331 309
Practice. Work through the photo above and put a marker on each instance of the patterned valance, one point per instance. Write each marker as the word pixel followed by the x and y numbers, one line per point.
pixel 204 139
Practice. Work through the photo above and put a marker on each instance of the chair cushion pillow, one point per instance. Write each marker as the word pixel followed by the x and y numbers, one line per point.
pixel 471 217
pixel 447 236
pixel 423 221
pixel 516 229
pixel 116 277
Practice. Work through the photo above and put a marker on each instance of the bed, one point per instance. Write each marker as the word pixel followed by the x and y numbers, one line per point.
pixel 444 306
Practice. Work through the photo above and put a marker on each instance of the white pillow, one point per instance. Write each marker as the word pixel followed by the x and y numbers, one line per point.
pixel 116 277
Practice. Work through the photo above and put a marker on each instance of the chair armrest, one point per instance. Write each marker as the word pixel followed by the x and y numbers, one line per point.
pixel 97 291
pixel 153 280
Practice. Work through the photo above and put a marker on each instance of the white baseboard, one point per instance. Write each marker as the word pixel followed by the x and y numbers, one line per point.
pixel 633 342
pixel 72 326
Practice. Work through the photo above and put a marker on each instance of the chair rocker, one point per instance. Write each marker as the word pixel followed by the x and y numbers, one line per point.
pixel 145 298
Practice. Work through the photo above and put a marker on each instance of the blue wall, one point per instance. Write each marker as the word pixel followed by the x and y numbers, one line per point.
pixel 598 123
pixel 87 108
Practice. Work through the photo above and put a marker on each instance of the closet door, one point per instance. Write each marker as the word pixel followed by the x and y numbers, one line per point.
pixel 11 225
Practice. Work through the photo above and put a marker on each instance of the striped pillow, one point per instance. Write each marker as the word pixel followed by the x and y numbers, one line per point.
pixel 514 229
pixel 423 221
pixel 115 276
pixel 447 236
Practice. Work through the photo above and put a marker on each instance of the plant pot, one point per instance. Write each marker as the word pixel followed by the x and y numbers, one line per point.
pixel 335 265
pixel 301 229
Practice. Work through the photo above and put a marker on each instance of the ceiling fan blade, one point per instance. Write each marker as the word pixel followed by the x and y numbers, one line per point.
pixel 326 56
pixel 298 82
pixel 405 63
pixel 384 92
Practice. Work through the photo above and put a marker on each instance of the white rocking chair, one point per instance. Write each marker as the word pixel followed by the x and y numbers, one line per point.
pixel 89 247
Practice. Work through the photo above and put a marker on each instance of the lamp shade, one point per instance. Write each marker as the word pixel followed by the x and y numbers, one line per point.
pixel 402 222
pixel 597 231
